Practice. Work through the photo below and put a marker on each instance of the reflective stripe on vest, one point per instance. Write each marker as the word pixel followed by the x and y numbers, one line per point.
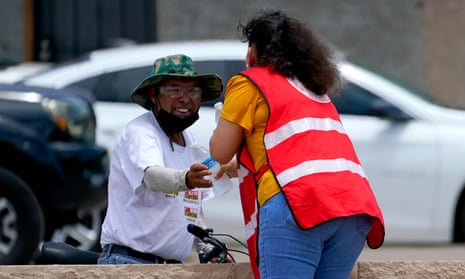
pixel 323 178
pixel 291 128
pixel 301 125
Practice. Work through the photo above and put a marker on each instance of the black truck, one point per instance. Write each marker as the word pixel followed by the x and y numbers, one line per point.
pixel 52 174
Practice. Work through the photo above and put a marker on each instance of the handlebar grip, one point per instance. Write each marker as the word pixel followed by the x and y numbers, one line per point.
pixel 197 231
pixel 62 253
pixel 216 252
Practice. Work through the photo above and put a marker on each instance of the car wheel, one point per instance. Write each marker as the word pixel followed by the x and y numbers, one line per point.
pixel 459 228
pixel 84 234
pixel 21 221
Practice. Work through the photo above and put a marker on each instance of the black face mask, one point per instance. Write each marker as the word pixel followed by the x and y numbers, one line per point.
pixel 173 124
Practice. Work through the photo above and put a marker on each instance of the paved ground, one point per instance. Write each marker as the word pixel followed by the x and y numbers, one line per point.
pixel 391 252
pixel 224 215
pixel 415 252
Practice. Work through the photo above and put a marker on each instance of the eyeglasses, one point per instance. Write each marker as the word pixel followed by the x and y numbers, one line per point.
pixel 175 92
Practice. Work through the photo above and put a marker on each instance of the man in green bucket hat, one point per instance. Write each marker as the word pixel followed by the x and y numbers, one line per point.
pixel 151 195
pixel 177 66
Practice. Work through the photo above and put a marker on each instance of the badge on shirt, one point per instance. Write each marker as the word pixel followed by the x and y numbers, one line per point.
pixel 192 205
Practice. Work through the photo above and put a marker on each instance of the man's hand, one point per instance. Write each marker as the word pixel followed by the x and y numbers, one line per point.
pixel 195 177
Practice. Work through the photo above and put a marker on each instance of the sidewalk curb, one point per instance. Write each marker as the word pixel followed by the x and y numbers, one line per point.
pixel 362 270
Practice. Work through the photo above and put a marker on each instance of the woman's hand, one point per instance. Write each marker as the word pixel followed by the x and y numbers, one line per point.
pixel 229 169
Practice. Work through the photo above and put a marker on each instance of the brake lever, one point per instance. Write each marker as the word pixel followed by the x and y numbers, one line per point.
pixel 216 253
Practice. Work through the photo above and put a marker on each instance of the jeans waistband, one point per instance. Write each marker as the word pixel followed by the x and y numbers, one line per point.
pixel 124 250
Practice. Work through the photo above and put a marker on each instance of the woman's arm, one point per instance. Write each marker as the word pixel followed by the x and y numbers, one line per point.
pixel 225 141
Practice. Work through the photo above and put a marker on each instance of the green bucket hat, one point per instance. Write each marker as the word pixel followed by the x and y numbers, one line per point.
pixel 176 66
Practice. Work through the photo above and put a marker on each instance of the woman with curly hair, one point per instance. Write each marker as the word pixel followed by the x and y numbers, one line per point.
pixel 308 206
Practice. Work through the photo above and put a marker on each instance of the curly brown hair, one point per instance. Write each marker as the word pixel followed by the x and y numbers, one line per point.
pixel 292 49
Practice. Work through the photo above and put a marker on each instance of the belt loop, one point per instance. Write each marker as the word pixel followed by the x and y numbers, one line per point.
pixel 108 248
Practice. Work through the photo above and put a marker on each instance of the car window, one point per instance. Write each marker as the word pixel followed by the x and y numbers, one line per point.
pixel 114 86
pixel 356 100
pixel 117 86
pixel 225 69
pixel 88 84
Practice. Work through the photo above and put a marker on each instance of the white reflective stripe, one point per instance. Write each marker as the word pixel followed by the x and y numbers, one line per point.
pixel 252 224
pixel 319 166
pixel 301 125
pixel 242 172
pixel 307 93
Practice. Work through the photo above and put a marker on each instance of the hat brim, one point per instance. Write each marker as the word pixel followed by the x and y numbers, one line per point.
pixel 211 83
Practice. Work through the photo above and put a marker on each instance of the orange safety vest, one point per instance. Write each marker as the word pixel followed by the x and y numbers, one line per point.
pixel 323 178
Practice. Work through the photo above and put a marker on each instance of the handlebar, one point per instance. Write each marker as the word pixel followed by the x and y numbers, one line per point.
pixel 63 253
pixel 219 252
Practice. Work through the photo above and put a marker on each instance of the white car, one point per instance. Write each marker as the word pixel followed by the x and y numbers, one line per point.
pixel 411 148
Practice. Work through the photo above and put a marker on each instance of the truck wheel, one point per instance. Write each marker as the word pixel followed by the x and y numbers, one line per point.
pixel 21 221
pixel 85 233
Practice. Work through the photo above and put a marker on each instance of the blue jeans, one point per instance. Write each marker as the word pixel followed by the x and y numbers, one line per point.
pixel 329 250
pixel 109 257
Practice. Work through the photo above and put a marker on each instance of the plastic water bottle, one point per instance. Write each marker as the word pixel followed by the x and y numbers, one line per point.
pixel 218 107
pixel 220 186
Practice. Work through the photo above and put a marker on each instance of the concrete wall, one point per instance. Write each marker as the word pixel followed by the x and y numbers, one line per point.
pixel 418 42
pixel 12 31
pixel 443 26
pixel 362 270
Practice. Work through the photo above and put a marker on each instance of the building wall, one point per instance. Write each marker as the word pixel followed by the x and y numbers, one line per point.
pixel 443 26
pixel 12 31
pixel 418 42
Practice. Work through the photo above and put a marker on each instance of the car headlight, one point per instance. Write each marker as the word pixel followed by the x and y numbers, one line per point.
pixel 73 116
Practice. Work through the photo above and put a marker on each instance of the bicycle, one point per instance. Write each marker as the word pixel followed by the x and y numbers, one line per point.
pixel 63 253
